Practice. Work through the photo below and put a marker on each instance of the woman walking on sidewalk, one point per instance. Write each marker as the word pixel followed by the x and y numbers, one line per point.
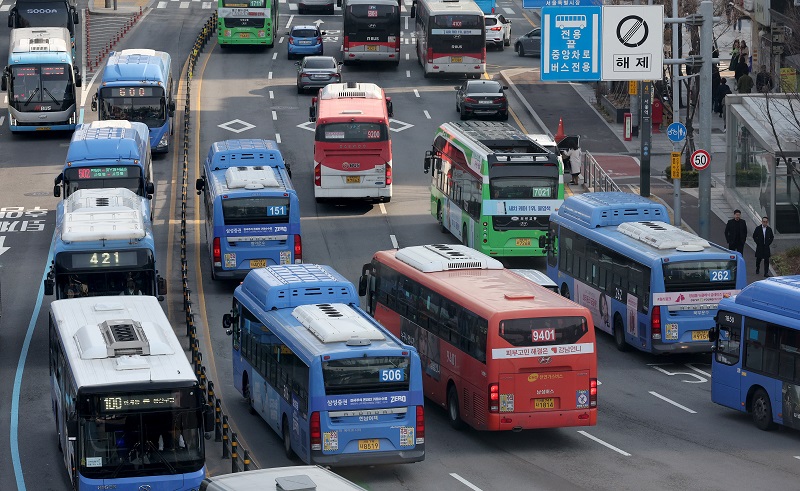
pixel 734 56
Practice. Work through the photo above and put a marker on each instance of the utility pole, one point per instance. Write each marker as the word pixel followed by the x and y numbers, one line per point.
pixel 676 111
pixel 704 107
pixel 644 138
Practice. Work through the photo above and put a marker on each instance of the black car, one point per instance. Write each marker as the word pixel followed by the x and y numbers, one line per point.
pixel 481 98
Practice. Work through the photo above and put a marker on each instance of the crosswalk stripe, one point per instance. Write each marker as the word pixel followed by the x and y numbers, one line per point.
pixel 184 5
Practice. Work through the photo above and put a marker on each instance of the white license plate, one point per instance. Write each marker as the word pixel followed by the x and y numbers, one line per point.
pixel 484 102
pixel 318 77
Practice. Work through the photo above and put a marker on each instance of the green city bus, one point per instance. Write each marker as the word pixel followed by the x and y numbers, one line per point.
pixel 493 187
pixel 242 22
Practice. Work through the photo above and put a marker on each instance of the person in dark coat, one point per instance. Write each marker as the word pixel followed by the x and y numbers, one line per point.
pixel 763 237
pixel 736 232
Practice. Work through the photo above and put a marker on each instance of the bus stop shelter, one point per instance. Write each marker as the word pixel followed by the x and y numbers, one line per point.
pixel 762 170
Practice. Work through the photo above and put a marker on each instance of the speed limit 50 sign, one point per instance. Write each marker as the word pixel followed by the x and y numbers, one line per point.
pixel 700 159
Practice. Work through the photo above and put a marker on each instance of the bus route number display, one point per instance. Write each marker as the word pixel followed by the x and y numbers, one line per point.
pixel 133 92
pixel 277 211
pixel 106 259
pixel 392 375
pixel 102 172
pixel 127 402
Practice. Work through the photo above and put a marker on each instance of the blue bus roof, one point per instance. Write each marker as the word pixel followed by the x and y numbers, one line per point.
pixel 292 285
pixel 778 295
pixel 137 65
pixel 612 208
pixel 108 140
pixel 247 153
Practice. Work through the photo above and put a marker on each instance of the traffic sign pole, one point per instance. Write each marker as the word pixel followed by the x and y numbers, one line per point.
pixel 676 132
pixel 704 88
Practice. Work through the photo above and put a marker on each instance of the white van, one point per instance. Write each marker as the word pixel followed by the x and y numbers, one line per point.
pixel 298 477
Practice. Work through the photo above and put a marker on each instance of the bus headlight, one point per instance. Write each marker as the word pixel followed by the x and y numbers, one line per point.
pixel 164 141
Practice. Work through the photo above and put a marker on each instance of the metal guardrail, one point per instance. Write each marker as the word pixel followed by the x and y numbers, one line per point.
pixel 231 449
pixel 594 177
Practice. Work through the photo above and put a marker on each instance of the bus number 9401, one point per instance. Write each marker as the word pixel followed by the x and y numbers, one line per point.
pixel 539 335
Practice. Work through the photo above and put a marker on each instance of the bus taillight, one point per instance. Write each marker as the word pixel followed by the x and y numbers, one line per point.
pixel 483 55
pixel 315 430
pixel 217 253
pixel 420 424
pixel 655 323
pixel 494 398
pixel 298 249
pixel 593 392
pixel 317 175
pixel 388 174
pixel 346 44
pixel 430 55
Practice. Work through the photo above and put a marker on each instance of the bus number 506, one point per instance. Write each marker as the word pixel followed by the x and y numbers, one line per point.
pixel 392 375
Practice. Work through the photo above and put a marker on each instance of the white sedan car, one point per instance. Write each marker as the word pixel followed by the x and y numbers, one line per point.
pixel 498 30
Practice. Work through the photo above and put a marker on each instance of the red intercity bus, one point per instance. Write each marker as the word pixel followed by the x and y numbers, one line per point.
pixel 352 148
pixel 371 31
pixel 498 351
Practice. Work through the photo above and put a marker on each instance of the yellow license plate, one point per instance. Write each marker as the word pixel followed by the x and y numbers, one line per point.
pixel 369 445
pixel 244 34
pixel 524 242
pixel 699 335
pixel 258 263
pixel 353 179
pixel 372 47
pixel 456 59
pixel 43 128
pixel 548 403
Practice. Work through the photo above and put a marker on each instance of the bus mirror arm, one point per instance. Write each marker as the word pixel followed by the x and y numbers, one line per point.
pixel 713 334
pixel 413 11
pixel 362 285
pixel 94 102
pixel 161 285
pixel 227 322
pixel 4 82
pixel 11 20
pixel 209 418
pixel 49 283
pixel 150 188
pixel 427 165
pixel 312 114
pixel 75 19
pixel 57 185
pixel 199 185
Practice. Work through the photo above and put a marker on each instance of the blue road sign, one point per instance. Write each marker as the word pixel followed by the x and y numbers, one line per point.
pixel 537 4
pixel 676 132
pixel 571 43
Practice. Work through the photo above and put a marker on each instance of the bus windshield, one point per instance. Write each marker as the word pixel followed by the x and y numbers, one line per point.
pixel 35 86
pixel 363 375
pixel 685 276
pixel 104 283
pixel 142 104
pixel 352 132
pixel 255 210
pixel 523 187
pixel 539 331
pixel 44 14
pixel 128 445
pixel 126 176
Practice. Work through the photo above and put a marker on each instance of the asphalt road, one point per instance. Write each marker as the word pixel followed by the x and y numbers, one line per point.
pixel 657 427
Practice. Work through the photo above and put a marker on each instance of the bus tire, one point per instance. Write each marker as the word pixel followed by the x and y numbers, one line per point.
pixel 246 394
pixel 453 409
pixel 464 238
pixel 396 63
pixel 440 217
pixel 287 439
pixel 761 410
pixel 619 334
pixel 565 291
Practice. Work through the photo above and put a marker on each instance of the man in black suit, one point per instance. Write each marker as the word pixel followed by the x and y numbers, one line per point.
pixel 763 237
pixel 736 232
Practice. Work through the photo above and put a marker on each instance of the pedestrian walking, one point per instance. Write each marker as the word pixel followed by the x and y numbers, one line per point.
pixel 719 96
pixel 734 56
pixel 736 232
pixel 763 80
pixel 739 14
pixel 745 84
pixel 763 237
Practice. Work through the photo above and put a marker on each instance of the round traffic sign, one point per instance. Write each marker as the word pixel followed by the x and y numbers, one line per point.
pixel 676 132
pixel 700 159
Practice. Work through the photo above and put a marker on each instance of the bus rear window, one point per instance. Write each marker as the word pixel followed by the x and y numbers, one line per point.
pixel 255 211
pixel 364 375
pixel 543 331
pixel 687 276
pixel 352 132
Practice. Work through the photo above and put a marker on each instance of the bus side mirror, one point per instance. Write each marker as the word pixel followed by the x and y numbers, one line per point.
pixel 161 285
pixel 209 418
pixel 75 19
pixel 57 191
pixel 72 430
pixel 172 108
pixel 428 159
pixel 362 285
pixel 338 3
pixel 413 10
pixel 150 188
pixel 11 20
pixel 78 80
pixel 57 185
pixel 227 321
pixel 199 184
pixel 312 113
pixel 49 285
pixel 713 334
pixel 288 170
pixel 4 82
pixel 389 106
pixel 94 102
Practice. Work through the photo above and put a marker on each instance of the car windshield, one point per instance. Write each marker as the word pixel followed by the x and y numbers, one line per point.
pixel 320 63
pixel 484 88
pixel 304 33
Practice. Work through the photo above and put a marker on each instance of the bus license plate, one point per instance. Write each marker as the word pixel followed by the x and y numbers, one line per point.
pixel 699 335
pixel 258 263
pixel 548 403
pixel 244 34
pixel 369 445
pixel 353 179
pixel 524 242
pixel 372 47
pixel 456 59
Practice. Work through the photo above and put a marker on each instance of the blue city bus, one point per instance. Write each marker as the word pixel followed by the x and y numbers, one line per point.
pixel 252 209
pixel 103 245
pixel 756 362
pixel 108 154
pixel 339 388
pixel 486 6
pixel 651 285
pixel 40 78
pixel 137 86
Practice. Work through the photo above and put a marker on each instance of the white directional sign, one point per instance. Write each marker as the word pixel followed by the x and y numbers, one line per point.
pixel 3 248
pixel 633 42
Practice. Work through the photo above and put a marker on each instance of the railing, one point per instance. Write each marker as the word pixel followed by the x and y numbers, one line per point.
pixel 594 177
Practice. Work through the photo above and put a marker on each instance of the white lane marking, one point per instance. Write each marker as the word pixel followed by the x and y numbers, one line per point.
pixel 4 8
pixel 184 5
pixel 605 444
pixel 699 379
pixel 382 208
pixel 271 94
pixel 691 365
pixel 797 457
pixel 291 18
pixel 292 6
pixel 280 41
pixel 277 137
pixel 509 11
pixel 2 120
pixel 275 55
pixel 416 93
pixel 408 73
pixel 269 76
pixel 206 5
pixel 274 115
pixel 394 241
pixel 161 5
pixel 426 114
pixel 406 18
pixel 465 482
pixel 665 399
pixel 407 58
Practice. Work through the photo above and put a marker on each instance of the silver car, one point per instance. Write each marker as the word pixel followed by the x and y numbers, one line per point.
pixel 530 43
pixel 315 72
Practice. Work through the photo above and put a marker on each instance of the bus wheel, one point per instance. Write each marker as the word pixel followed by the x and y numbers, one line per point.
pixel 762 411
pixel 287 440
pixel 246 393
pixel 440 217
pixel 453 409
pixel 565 291
pixel 619 334
pixel 464 238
